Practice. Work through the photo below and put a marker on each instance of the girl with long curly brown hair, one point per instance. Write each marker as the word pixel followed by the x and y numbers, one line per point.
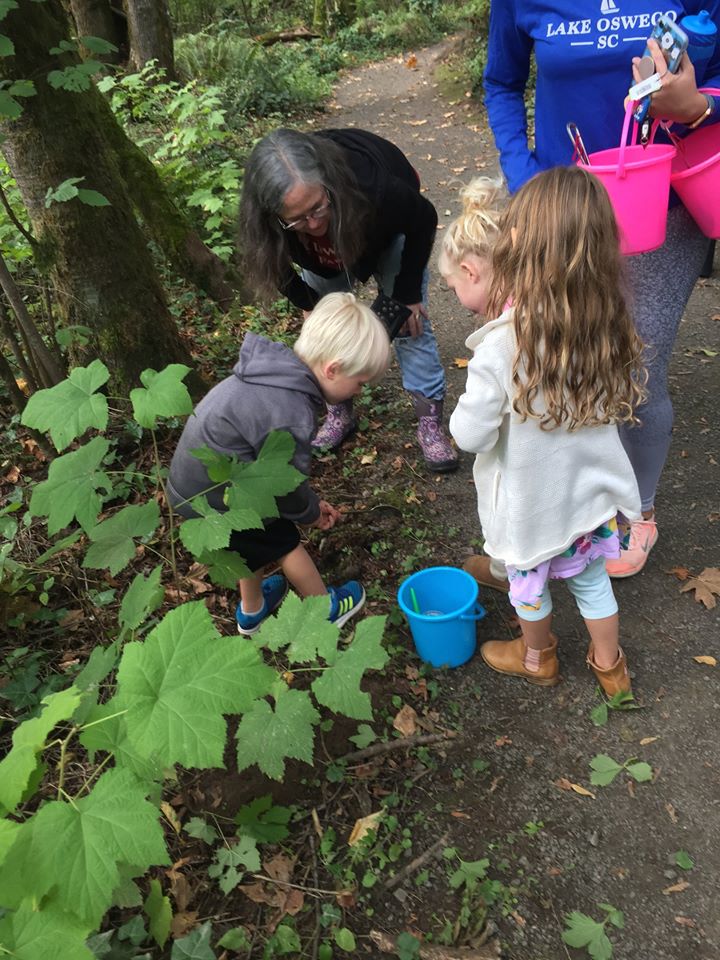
pixel 549 381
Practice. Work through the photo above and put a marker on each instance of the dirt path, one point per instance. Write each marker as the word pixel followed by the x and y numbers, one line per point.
pixel 561 850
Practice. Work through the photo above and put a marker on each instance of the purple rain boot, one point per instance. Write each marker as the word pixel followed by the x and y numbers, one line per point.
pixel 438 451
pixel 339 423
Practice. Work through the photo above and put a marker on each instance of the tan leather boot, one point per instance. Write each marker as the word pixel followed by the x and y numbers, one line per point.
pixel 615 678
pixel 507 656
pixel 479 568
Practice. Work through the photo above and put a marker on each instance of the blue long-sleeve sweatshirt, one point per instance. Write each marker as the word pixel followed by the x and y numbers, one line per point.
pixel 583 52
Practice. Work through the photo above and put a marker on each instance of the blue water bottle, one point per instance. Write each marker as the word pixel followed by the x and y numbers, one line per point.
pixel 702 34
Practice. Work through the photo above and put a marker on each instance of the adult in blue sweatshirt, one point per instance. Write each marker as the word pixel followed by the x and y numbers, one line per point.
pixel 584 51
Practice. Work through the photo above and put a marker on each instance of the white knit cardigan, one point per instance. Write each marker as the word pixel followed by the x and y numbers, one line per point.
pixel 538 490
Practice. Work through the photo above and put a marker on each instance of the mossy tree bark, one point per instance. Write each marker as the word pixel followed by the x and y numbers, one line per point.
pixel 95 18
pixel 150 34
pixel 97 256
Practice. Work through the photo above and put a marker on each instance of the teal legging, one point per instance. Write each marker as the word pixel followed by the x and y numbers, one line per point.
pixel 592 590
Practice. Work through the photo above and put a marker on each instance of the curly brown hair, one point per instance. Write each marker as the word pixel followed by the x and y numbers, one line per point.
pixel 558 261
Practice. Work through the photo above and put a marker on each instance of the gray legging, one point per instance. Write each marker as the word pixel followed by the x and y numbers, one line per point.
pixel 661 283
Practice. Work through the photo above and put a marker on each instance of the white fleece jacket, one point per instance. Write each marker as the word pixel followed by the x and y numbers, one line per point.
pixel 538 490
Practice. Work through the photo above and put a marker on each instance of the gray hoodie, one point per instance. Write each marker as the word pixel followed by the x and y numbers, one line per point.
pixel 269 389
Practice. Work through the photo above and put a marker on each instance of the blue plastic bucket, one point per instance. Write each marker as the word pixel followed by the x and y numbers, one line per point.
pixel 444 627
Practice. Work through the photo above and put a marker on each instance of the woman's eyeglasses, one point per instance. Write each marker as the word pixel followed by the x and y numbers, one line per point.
pixel 319 213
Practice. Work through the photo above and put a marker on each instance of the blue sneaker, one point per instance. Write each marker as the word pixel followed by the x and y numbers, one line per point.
pixel 345 601
pixel 274 589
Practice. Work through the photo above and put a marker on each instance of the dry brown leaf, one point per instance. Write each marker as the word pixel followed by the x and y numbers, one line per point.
pixel 671 812
pixel 459 815
pixel 279 867
pixel 646 740
pixel 503 741
pixel 710 661
pixel 677 887
pixel 706 587
pixel 686 921
pixel 415 123
pixel 171 816
pixel 411 63
pixel 564 784
pixel 682 573
pixel 183 922
pixel 405 721
pixel 13 475
pixel 364 826
pixel 461 362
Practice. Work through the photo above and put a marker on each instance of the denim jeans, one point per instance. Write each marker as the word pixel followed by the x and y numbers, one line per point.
pixel 419 359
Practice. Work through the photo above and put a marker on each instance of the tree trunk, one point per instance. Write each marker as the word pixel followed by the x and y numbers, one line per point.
pixel 320 17
pixel 95 18
pixel 166 224
pixel 97 256
pixel 150 34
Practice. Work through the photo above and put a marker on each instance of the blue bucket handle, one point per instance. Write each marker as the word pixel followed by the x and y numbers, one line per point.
pixel 480 612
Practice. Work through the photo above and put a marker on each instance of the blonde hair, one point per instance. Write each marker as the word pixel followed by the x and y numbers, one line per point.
pixel 558 260
pixel 342 329
pixel 475 230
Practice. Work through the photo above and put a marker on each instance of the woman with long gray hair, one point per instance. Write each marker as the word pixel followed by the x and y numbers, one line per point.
pixel 342 206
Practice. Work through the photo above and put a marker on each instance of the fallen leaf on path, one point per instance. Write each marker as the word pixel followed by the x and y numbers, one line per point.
pixel 459 815
pixel 461 362
pixel 706 587
pixel 411 63
pixel 686 921
pixel 503 741
pixel 367 458
pixel 405 721
pixel 710 661
pixel 646 740
pixel 564 784
pixel 677 887
pixel 363 827
pixel 671 812
pixel 682 573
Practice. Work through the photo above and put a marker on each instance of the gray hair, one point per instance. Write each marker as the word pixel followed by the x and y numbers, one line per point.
pixel 277 163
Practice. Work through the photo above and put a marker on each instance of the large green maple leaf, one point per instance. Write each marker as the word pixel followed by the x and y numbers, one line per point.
pixel 76 847
pixel 177 685
pixel 142 597
pixel 28 741
pixel 162 394
pixel 113 544
pixel 47 934
pixel 71 489
pixel 303 627
pixel 267 737
pixel 70 408
pixel 212 530
pixel 256 484
pixel 225 567
pixel 106 731
pixel 338 687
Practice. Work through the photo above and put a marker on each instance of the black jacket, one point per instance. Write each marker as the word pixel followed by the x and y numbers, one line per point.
pixel 392 187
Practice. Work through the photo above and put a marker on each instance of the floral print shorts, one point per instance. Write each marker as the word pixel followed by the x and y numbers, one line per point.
pixel 527 586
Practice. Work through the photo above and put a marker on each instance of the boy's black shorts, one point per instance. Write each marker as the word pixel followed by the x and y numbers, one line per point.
pixel 261 547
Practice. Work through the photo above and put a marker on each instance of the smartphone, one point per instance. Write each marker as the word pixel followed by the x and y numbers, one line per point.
pixel 673 41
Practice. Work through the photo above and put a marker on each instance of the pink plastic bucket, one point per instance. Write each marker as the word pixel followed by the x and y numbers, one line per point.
pixel 638 181
pixel 696 175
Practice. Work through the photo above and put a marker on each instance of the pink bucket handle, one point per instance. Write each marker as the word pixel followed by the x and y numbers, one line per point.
pixel 677 141
pixel 620 172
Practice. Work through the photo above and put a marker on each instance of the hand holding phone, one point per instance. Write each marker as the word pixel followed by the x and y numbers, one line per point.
pixel 673 42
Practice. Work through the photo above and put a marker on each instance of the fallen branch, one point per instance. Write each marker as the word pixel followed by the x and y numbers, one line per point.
pixel 417 862
pixel 286 36
pixel 491 951
pixel 401 743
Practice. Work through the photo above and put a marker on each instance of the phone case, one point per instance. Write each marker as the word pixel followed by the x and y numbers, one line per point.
pixel 673 41
pixel 392 313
